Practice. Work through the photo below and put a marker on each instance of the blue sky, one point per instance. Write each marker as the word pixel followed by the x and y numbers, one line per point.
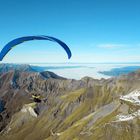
pixel 95 30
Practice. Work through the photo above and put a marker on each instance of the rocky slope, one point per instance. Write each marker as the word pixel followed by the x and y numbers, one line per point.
pixel 70 109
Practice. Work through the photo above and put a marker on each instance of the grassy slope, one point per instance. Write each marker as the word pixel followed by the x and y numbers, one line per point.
pixel 86 113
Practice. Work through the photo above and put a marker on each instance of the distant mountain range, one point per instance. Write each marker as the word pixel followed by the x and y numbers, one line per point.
pixel 5 67
pixel 120 71
pixel 28 68
pixel 21 67
pixel 86 109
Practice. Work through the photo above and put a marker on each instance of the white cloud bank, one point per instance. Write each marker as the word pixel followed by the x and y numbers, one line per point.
pixel 111 46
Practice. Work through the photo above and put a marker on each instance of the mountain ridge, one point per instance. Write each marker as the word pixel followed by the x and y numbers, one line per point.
pixel 70 109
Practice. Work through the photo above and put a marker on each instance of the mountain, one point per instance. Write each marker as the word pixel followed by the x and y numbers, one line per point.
pixel 21 67
pixel 86 109
pixel 120 71
pixel 48 74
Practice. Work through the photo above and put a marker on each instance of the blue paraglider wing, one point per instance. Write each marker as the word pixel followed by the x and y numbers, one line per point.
pixel 17 41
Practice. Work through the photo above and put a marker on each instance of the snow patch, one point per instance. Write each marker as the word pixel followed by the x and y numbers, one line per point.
pixel 132 97
pixel 128 117
pixel 125 117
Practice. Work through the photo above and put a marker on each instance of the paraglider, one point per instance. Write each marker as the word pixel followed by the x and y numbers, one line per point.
pixel 20 40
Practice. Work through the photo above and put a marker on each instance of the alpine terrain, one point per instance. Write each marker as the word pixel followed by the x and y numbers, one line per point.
pixel 40 105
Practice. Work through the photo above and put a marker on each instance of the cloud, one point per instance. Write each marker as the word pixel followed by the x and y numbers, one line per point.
pixel 111 46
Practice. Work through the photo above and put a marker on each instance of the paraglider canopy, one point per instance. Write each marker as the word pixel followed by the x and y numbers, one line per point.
pixel 20 40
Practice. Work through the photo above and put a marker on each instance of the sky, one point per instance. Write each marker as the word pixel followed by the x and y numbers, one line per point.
pixel 95 30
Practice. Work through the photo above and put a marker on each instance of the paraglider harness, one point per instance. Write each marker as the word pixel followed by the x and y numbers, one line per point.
pixel 36 98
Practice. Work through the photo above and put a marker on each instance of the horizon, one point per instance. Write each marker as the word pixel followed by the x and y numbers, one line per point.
pixel 69 62
pixel 77 70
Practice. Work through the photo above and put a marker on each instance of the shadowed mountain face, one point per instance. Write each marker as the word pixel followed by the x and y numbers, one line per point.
pixel 69 109
pixel 9 67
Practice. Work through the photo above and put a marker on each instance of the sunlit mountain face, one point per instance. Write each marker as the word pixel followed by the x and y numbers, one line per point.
pixel 37 104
